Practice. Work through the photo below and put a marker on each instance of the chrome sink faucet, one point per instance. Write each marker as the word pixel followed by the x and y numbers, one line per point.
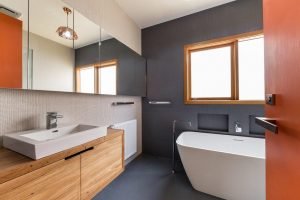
pixel 51 119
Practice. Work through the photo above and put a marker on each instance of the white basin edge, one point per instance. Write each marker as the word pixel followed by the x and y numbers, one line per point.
pixel 19 135
pixel 39 149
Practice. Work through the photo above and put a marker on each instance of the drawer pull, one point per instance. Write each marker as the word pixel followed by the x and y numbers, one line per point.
pixel 81 152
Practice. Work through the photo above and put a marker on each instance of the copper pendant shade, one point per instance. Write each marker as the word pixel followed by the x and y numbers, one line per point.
pixel 65 31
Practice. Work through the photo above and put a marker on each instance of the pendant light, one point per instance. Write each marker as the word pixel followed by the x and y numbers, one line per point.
pixel 65 31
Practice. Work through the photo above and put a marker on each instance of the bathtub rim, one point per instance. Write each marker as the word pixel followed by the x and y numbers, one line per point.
pixel 222 152
pixel 247 135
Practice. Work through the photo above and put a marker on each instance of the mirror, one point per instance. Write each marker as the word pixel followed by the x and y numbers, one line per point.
pixel 119 70
pixel 52 45
pixel 64 51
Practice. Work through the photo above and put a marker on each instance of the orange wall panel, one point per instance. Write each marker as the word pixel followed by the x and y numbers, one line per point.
pixel 10 52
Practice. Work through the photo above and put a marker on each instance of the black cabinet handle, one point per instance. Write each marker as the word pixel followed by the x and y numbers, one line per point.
pixel 267 123
pixel 122 103
pixel 76 154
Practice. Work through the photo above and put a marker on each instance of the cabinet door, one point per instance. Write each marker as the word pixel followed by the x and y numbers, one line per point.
pixel 100 166
pixel 60 180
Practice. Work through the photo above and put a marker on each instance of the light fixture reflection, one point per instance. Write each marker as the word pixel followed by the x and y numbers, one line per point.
pixel 65 31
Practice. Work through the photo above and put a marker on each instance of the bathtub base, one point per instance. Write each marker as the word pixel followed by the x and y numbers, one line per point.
pixel 227 176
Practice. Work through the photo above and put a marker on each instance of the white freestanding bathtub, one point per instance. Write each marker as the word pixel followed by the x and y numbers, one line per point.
pixel 229 167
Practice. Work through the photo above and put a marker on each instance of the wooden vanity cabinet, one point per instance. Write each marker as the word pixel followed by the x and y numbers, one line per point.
pixel 60 180
pixel 100 166
pixel 78 175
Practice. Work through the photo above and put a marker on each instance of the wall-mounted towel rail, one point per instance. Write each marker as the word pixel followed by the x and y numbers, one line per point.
pixel 159 102
pixel 122 103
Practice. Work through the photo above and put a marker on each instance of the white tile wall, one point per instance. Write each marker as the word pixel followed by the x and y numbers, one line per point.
pixel 24 110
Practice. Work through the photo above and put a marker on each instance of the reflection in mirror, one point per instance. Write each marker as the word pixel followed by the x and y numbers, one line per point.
pixel 52 26
pixel 13 42
pixel 86 80
pixel 99 78
pixel 107 78
pixel 119 70
pixel 66 52
pixel 50 62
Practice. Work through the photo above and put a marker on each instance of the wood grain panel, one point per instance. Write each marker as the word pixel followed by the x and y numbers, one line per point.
pixel 11 52
pixel 100 166
pixel 60 180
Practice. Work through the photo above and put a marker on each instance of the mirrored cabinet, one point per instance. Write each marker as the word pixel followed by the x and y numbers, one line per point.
pixel 47 45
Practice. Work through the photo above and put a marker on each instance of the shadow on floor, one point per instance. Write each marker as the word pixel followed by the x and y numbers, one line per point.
pixel 150 178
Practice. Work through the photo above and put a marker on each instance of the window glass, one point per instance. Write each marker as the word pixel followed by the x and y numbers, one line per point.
pixel 251 69
pixel 211 73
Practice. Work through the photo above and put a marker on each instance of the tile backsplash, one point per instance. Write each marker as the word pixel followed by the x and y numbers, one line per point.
pixel 22 110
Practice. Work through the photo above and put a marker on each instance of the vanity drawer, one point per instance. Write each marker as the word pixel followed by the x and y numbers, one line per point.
pixel 60 180
pixel 100 166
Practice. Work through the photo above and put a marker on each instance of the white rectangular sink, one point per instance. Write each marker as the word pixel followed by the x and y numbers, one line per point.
pixel 37 144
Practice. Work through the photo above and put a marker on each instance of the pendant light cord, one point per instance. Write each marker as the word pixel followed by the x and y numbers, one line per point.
pixel 67 20
pixel 73 30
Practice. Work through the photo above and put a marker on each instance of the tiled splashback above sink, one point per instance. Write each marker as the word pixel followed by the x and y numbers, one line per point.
pixel 25 110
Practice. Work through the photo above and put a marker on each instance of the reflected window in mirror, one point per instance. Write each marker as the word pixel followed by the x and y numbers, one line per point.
pixel 100 78
pixel 85 80
pixel 107 78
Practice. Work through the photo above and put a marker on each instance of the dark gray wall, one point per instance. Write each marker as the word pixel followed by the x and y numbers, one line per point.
pixel 131 71
pixel 162 46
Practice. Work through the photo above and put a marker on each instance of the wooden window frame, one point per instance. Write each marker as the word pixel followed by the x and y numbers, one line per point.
pixel 96 66
pixel 231 41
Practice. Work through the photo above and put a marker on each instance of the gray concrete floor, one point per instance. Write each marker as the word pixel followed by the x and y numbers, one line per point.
pixel 150 178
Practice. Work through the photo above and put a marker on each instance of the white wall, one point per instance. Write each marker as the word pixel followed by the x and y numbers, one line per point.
pixel 53 65
pixel 111 18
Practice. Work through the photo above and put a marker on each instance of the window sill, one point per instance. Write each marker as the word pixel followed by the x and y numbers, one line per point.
pixel 222 102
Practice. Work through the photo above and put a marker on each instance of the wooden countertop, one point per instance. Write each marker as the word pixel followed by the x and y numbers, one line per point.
pixel 13 165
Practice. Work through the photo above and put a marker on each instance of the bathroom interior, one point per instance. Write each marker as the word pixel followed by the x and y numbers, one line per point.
pixel 149 100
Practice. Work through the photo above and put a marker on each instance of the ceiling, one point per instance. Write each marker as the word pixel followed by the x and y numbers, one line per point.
pixel 47 15
pixel 147 13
